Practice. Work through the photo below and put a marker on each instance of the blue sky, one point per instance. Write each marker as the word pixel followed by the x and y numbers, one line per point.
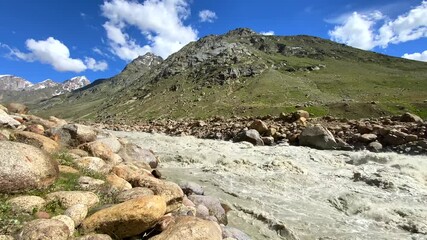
pixel 60 39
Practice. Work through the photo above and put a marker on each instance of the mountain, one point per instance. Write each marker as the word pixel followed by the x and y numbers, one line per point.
pixel 245 73
pixel 16 89
pixel 13 83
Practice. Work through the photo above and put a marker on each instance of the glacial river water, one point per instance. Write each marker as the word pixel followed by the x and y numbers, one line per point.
pixel 286 192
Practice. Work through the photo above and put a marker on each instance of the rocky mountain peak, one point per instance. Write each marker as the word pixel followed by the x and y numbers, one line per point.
pixel 75 83
pixel 13 83
pixel 143 63
pixel 241 32
pixel 48 83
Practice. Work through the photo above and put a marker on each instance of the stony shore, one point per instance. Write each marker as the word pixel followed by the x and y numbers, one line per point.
pixel 61 180
pixel 403 134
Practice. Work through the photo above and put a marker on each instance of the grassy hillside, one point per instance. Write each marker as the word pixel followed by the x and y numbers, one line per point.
pixel 242 73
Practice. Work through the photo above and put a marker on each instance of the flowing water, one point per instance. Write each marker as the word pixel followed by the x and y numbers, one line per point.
pixel 286 192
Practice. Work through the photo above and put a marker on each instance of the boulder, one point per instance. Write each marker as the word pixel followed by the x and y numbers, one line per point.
pixel 234 233
pixel 7 120
pixel 36 140
pixel 190 188
pixel 77 213
pixel 72 134
pixel 317 136
pixel 171 192
pixel 26 204
pixel 368 137
pixel 17 108
pixel 59 122
pixel 375 146
pixel 269 141
pixel 190 228
pixel 117 184
pixel 132 153
pixel 3 108
pixel 409 117
pixel 133 193
pixel 251 136
pixel 88 183
pixel 213 204
pixel 300 114
pixel 111 142
pixel 46 229
pixel 127 219
pixel 259 125
pixel 95 237
pixel 24 167
pixel 35 128
pixel 70 198
pixel 92 164
pixel 67 221
pixel 101 150
pixel 79 152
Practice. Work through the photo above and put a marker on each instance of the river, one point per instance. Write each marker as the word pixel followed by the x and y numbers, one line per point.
pixel 288 192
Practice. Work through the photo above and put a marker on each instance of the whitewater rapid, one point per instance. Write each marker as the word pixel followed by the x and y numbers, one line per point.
pixel 287 192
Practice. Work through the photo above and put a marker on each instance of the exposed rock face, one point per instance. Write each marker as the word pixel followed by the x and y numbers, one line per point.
pixel 127 219
pixel 48 229
pixel 190 228
pixel 13 83
pixel 317 136
pixel 25 167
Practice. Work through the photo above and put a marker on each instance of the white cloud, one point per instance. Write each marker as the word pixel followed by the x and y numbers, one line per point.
pixel 360 29
pixel 159 21
pixel 416 56
pixel 207 16
pixel 54 53
pixel 268 33
pixel 94 65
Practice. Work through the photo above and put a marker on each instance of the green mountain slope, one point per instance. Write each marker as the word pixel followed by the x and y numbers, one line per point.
pixel 243 73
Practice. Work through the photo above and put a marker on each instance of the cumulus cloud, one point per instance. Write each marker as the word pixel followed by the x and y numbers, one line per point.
pixel 268 33
pixel 160 22
pixel 53 52
pixel 416 56
pixel 207 16
pixel 94 65
pixel 373 29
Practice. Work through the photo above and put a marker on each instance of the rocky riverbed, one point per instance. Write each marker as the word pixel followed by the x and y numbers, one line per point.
pixel 288 192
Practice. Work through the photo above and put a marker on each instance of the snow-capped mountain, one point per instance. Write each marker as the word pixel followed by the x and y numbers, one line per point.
pixel 17 89
pixel 48 83
pixel 13 83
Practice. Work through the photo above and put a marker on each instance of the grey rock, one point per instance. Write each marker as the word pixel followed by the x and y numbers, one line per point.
pixel 317 136
pixel 230 232
pixel 46 229
pixel 251 136
pixel 213 204
pixel 190 188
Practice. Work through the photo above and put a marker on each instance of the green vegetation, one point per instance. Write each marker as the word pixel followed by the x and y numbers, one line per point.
pixel 321 76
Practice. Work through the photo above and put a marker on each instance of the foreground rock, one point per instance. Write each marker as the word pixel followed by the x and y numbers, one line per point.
pixel 46 229
pixel 70 198
pixel 190 228
pixel 27 204
pixel 127 219
pixel 7 120
pixel 24 167
pixel 36 140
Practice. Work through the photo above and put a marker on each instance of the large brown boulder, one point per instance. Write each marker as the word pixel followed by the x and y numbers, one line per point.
pixel 259 125
pixel 171 192
pixel 127 219
pixel 190 228
pixel 36 140
pixel 24 167
pixel 72 134
pixel 17 108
